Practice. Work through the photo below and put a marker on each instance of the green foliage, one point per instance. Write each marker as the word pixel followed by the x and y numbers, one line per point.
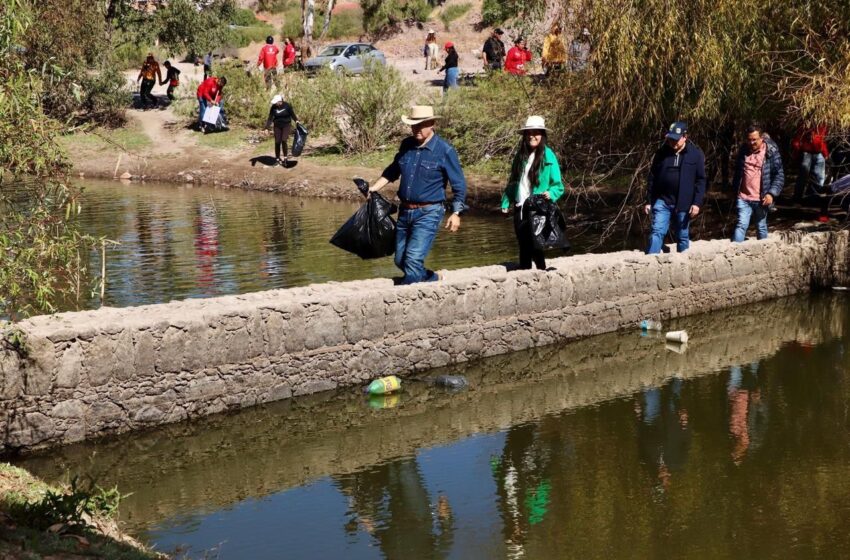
pixel 182 28
pixel 482 120
pixel 381 16
pixel 369 109
pixel 347 23
pixel 245 96
pixel 453 12
pixel 273 6
pixel 498 11
pixel 244 36
pixel 244 17
pixel 40 254
pixel 73 508
pixel 315 98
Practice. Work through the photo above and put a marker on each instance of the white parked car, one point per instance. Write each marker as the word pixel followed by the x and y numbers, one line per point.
pixel 351 58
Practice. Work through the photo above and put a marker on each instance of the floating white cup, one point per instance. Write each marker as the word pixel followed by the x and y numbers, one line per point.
pixel 677 336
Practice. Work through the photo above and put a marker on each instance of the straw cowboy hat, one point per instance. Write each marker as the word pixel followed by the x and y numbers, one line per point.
pixel 419 114
pixel 534 122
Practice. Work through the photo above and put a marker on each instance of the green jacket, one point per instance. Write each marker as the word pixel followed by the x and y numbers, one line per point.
pixel 550 180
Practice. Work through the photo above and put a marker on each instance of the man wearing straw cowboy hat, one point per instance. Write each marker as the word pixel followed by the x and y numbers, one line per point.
pixel 424 163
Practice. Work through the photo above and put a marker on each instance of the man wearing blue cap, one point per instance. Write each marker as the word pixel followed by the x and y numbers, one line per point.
pixel 675 189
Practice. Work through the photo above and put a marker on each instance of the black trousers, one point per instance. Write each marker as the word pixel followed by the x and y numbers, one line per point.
pixel 170 92
pixel 145 91
pixel 527 252
pixel 281 136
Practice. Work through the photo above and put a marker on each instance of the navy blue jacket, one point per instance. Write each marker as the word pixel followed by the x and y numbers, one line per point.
pixel 772 174
pixel 691 176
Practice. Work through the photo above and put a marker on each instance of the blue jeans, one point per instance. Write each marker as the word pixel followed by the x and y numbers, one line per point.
pixel 451 78
pixel 662 215
pixel 747 210
pixel 812 169
pixel 415 232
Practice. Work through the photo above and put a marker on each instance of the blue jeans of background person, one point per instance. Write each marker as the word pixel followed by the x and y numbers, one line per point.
pixel 415 232
pixel 748 210
pixel 451 78
pixel 662 215
pixel 812 169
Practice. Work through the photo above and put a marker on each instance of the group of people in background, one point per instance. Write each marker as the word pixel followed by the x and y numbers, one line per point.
pixel 269 62
pixel 554 58
pixel 150 75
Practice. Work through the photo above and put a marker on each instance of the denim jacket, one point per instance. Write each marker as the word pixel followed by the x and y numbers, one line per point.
pixel 425 170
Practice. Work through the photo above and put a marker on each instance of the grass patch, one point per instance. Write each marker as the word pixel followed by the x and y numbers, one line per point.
pixel 377 159
pixel 130 138
pixel 22 537
pixel 232 139
pixel 453 12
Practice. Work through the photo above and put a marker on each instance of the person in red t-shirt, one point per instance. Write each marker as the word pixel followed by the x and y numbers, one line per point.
pixel 268 61
pixel 289 53
pixel 517 57
pixel 209 93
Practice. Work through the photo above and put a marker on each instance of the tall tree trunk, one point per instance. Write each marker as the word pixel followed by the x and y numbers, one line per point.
pixel 327 23
pixel 308 8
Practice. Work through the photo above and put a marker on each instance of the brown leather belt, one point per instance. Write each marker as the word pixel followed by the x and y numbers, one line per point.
pixel 414 205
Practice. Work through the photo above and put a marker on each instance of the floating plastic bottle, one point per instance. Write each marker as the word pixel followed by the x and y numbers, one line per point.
pixel 650 325
pixel 677 336
pixel 384 385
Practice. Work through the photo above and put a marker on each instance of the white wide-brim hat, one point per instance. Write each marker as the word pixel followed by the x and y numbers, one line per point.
pixel 534 122
pixel 277 99
pixel 419 114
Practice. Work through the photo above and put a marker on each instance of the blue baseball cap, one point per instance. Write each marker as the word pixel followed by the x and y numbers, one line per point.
pixel 677 130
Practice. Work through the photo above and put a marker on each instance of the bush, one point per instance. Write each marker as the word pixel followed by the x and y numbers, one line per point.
pixel 244 17
pixel 453 12
pixel 369 108
pixel 347 23
pixel 482 120
pixel 244 36
pixel 246 100
pixel 314 99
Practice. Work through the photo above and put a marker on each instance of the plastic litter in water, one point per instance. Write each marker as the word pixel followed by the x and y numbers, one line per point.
pixel 841 288
pixel 677 336
pixel 650 325
pixel 384 385
pixel 451 381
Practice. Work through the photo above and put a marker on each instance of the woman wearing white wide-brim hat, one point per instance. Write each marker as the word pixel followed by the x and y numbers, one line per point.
pixel 535 171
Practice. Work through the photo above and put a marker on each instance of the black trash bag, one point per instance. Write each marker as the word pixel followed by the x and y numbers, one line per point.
pixel 548 227
pixel 362 186
pixel 300 139
pixel 220 123
pixel 370 232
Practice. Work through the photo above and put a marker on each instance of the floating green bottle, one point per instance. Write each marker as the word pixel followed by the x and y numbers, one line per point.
pixel 384 385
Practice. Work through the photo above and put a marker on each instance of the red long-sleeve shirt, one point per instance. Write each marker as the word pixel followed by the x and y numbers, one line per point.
pixel 811 140
pixel 515 60
pixel 289 54
pixel 268 56
pixel 209 90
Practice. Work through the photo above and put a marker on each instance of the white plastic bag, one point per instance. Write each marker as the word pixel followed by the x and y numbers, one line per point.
pixel 211 114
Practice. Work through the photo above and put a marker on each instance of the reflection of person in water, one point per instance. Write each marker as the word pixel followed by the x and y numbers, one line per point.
pixel 206 245
pixel 663 432
pixel 747 411
pixel 392 504
pixel 523 484
pixel 273 249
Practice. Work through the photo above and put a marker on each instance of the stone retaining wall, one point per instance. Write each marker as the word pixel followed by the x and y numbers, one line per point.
pixel 114 370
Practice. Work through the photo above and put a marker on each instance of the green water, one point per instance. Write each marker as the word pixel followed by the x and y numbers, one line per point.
pixel 178 241
pixel 609 447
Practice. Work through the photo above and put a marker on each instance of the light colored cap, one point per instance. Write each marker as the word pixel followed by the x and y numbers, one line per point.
pixel 277 99
pixel 419 114
pixel 431 32
pixel 534 122
pixel 585 31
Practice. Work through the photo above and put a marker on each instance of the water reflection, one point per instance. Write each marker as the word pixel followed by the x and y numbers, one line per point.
pixel 610 447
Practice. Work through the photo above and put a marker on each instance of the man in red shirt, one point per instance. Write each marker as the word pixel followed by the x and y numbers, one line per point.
pixel 209 93
pixel 268 60
pixel 517 57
